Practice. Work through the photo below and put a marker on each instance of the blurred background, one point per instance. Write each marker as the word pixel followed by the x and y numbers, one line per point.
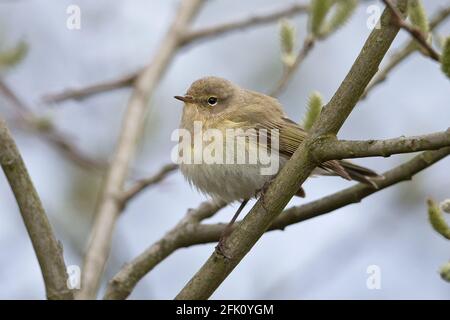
pixel 322 258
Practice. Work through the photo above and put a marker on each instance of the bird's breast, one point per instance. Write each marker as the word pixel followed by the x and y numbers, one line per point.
pixel 228 182
pixel 223 161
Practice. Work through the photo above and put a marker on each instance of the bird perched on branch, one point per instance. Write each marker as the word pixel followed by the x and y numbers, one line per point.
pixel 227 126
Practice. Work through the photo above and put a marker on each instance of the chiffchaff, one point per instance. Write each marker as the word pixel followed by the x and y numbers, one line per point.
pixel 218 104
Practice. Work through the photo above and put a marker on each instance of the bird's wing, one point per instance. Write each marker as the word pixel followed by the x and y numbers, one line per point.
pixel 290 134
pixel 267 114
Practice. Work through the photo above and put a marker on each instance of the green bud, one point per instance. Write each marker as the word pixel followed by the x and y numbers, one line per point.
pixel 418 16
pixel 341 14
pixel 43 124
pixel 445 272
pixel 318 12
pixel 287 40
pixel 315 104
pixel 445 58
pixel 437 219
pixel 11 57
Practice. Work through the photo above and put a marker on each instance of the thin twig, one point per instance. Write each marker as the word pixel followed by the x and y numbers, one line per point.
pixel 29 120
pixel 289 72
pixel 85 92
pixel 439 17
pixel 110 206
pixel 395 60
pixel 45 245
pixel 416 33
pixel 186 38
pixel 180 236
pixel 243 23
pixel 142 184
pixel 403 53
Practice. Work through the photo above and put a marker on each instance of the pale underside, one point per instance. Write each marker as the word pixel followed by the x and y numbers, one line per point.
pixel 233 182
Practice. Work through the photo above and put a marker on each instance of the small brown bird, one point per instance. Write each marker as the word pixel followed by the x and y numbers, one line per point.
pixel 220 105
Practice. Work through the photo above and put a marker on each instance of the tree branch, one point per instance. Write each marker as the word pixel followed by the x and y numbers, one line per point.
pixel 110 205
pixel 185 39
pixel 360 191
pixel 85 92
pixel 182 236
pixel 403 53
pixel 298 168
pixel 142 184
pixel 29 120
pixel 395 60
pixel 289 72
pixel 45 245
pixel 244 23
pixel 417 34
pixel 206 233
pixel 331 149
pixel 439 17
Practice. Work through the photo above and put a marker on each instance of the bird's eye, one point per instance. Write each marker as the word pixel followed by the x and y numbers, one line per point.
pixel 212 101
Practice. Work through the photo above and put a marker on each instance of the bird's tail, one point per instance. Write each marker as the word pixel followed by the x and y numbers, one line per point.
pixel 347 170
pixel 359 173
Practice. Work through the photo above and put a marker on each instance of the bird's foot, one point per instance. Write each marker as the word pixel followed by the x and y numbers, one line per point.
pixel 220 248
pixel 264 188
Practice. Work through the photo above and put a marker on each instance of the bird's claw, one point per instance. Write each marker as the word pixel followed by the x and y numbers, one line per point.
pixel 220 248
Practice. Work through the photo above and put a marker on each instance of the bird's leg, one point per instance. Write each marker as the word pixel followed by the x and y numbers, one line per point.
pixel 227 231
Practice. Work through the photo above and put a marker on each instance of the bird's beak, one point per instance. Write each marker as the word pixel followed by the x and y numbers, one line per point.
pixel 186 98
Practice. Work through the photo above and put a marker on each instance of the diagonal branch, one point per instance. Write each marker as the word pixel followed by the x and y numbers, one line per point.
pixel 360 191
pixel 206 233
pixel 403 53
pixel 289 72
pixel 243 23
pixel 142 184
pixel 180 236
pixel 396 58
pixel 29 120
pixel 85 92
pixel 298 168
pixel 110 204
pixel 417 34
pixel 187 38
pixel 45 245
